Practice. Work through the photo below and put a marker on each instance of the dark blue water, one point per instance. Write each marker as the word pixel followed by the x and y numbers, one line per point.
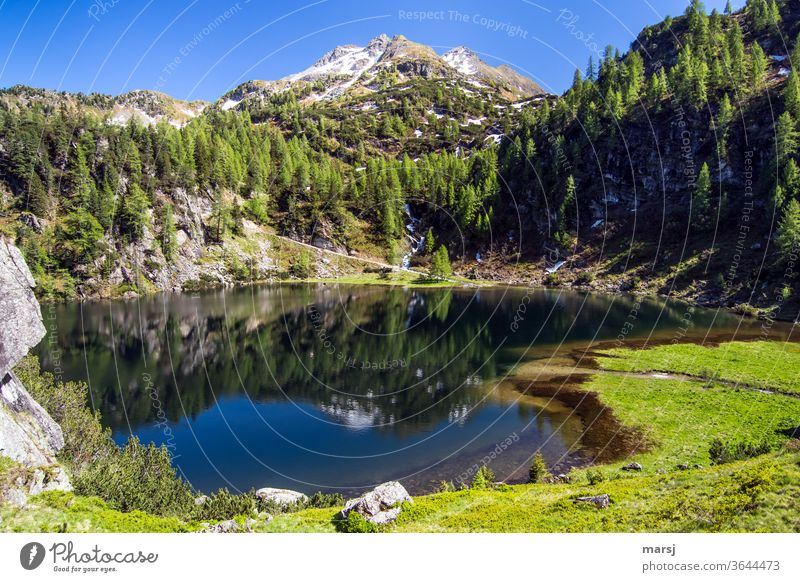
pixel 334 387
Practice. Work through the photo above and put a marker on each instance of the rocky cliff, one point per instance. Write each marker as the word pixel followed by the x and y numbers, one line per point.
pixel 28 435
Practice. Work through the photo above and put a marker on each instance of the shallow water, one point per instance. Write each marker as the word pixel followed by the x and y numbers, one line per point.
pixel 340 387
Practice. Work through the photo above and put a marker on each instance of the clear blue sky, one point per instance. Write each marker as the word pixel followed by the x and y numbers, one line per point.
pixel 198 49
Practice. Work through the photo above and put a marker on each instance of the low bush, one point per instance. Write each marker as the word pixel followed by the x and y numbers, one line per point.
pixel 354 523
pixel 595 476
pixel 85 439
pixel 137 477
pixel 722 453
pixel 225 505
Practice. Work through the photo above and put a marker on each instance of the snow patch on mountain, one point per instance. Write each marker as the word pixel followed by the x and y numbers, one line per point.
pixel 462 60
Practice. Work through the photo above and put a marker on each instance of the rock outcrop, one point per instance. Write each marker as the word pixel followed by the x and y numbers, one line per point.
pixel 381 505
pixel 280 496
pixel 28 435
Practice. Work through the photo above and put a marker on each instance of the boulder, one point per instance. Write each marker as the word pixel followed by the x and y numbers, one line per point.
pixel 280 496
pixel 32 221
pixel 32 482
pixel 22 326
pixel 599 501
pixel 229 526
pixel 381 505
pixel 28 434
pixel 632 467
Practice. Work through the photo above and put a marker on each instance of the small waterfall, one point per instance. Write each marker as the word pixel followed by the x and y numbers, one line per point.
pixel 416 240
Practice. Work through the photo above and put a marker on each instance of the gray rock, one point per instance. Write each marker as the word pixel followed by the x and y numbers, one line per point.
pixel 19 311
pixel 381 505
pixel 632 467
pixel 683 467
pixel 27 433
pixel 32 221
pixel 229 526
pixel 280 496
pixel 31 483
pixel 264 516
pixel 249 524
pixel 200 500
pixel 16 497
pixel 599 501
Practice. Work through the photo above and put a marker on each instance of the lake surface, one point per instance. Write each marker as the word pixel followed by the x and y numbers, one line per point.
pixel 341 387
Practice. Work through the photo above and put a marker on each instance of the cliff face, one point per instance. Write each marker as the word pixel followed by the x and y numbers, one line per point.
pixel 28 435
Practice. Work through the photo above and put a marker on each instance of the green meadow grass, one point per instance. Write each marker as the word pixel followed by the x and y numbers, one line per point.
pixel 763 365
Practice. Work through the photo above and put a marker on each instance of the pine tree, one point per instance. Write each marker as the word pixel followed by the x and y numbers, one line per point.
pixel 430 242
pixel 737 55
pixel 774 13
pixel 791 179
pixel 758 67
pixel 538 471
pixel 724 121
pixel 728 8
pixel 566 204
pixel 167 231
pixel 789 229
pixel 78 235
pixel 795 57
pixel 220 216
pixel 132 213
pixel 786 138
pixel 38 201
pixel 440 264
pixel 792 93
pixel 701 201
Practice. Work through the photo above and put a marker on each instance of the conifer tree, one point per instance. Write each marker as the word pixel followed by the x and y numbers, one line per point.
pixel 430 242
pixel 701 201
pixel 792 93
pixel 440 264
pixel 758 67
pixel 788 239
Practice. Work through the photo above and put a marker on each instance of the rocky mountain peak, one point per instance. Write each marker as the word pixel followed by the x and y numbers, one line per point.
pixel 463 59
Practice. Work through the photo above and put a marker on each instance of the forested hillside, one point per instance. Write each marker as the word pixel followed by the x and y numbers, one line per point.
pixel 669 168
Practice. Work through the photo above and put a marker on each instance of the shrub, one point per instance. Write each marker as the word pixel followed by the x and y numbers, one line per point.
pixel 324 500
pixel 137 477
pixel 446 487
pixel 225 505
pixel 585 278
pixel 85 439
pixel 538 471
pixel 483 479
pixel 595 476
pixel 722 453
pixel 301 266
pixel 552 280
pixel 354 523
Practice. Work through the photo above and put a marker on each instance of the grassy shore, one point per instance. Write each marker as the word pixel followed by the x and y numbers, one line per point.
pixel 679 488
pixel 764 365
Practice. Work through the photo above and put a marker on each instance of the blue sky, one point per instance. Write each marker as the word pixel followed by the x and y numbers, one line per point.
pixel 198 49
